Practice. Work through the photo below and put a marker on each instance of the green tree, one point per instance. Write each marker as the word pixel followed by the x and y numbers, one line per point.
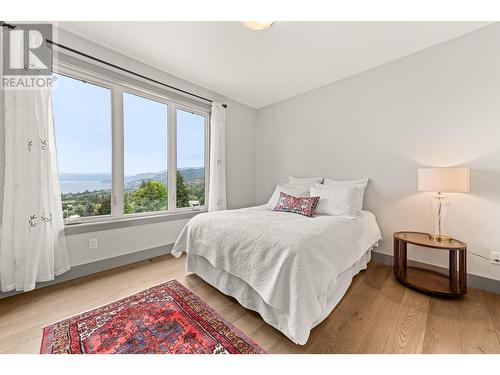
pixel 89 209
pixel 150 196
pixel 78 210
pixel 105 207
pixel 127 204
pixel 182 192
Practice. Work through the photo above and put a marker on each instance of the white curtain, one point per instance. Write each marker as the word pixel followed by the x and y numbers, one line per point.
pixel 32 241
pixel 217 184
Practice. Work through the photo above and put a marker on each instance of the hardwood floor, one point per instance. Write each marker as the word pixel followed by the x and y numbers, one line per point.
pixel 377 315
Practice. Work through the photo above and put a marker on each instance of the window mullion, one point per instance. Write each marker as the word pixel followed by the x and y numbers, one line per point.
pixel 117 171
pixel 207 158
pixel 172 157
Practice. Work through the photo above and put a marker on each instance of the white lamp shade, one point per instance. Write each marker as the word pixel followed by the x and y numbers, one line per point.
pixel 444 180
pixel 257 25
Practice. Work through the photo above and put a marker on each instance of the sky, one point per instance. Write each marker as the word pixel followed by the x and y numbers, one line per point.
pixel 82 119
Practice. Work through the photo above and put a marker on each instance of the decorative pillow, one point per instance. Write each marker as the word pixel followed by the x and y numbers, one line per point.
pixel 295 190
pixel 297 205
pixel 338 200
pixel 309 181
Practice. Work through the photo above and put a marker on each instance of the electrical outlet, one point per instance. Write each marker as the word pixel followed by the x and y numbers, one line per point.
pixel 92 243
pixel 495 258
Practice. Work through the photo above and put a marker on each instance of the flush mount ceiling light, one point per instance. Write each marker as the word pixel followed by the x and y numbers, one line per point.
pixel 257 25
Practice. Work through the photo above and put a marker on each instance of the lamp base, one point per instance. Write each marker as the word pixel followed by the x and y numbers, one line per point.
pixel 439 237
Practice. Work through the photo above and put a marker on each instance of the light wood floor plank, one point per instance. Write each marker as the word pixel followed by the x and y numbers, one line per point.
pixel 478 334
pixel 493 302
pixel 407 333
pixel 380 319
pixel 442 333
pixel 267 336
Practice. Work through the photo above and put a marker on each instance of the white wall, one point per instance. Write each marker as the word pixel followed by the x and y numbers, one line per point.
pixel 438 107
pixel 240 166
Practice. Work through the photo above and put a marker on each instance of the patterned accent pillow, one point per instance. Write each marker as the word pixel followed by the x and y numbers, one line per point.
pixel 297 205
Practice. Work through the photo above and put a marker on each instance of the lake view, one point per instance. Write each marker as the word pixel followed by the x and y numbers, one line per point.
pixel 81 186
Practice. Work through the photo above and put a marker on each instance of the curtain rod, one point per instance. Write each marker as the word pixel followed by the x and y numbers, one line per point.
pixel 9 26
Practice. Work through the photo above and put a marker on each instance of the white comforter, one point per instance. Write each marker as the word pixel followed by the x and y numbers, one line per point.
pixel 289 259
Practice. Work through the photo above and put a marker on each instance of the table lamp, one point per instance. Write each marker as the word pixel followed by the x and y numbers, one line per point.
pixel 439 181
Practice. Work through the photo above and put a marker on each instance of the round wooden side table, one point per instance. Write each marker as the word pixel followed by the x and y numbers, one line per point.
pixel 427 281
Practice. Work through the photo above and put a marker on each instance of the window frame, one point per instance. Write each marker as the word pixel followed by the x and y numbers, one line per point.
pixel 157 99
pixel 206 153
pixel 96 81
pixel 117 88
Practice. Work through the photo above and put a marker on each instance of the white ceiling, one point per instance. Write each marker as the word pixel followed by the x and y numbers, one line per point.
pixel 259 68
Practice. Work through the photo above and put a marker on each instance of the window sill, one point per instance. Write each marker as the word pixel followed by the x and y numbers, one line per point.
pixel 72 229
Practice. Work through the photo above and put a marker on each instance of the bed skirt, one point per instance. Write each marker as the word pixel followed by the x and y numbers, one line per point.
pixel 250 299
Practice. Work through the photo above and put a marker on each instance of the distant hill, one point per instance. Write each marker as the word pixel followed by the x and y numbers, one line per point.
pixel 132 182
pixel 145 176
pixel 192 174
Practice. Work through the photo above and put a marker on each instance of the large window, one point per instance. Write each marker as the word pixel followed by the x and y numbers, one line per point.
pixel 116 143
pixel 145 161
pixel 82 120
pixel 190 159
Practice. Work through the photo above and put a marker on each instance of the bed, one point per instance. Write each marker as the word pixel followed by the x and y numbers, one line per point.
pixel 293 270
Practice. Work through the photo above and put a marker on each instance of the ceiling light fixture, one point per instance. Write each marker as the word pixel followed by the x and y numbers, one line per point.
pixel 257 25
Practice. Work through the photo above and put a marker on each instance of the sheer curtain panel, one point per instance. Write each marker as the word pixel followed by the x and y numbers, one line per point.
pixel 32 241
pixel 217 182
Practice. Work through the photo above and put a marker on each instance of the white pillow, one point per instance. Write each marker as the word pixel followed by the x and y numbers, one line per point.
pixel 309 181
pixel 294 190
pixel 338 200
pixel 361 183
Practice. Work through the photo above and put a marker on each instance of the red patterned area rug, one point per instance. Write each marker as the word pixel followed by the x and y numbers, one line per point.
pixel 167 318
